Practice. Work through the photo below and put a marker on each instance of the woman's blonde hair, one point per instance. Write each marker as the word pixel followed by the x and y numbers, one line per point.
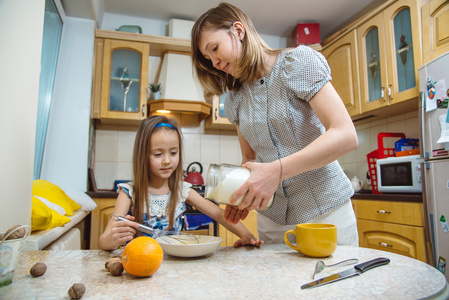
pixel 141 167
pixel 249 66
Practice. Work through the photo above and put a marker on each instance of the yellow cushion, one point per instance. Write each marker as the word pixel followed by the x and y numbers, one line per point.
pixel 43 217
pixel 40 215
pixel 54 194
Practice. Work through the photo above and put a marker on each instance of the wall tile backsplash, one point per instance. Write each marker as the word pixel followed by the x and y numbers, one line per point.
pixel 355 163
pixel 114 147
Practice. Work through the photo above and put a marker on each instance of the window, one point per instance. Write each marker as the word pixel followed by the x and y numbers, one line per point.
pixel 49 60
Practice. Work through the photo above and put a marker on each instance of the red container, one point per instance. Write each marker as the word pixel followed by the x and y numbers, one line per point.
pixel 381 152
pixel 306 33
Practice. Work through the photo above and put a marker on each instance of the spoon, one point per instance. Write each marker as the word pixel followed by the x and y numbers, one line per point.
pixel 319 267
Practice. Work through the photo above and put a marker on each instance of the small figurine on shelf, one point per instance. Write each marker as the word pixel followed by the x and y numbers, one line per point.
pixel 156 89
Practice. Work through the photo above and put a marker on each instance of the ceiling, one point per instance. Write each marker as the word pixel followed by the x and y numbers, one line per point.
pixel 270 17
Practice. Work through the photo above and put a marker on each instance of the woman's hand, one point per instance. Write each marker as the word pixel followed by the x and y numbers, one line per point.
pixel 248 240
pixel 123 231
pixel 260 186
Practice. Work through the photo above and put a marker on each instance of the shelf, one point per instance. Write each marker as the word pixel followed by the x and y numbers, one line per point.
pixel 180 106
pixel 158 44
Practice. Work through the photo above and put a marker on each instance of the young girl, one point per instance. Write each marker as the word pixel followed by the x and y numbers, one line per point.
pixel 158 194
pixel 291 124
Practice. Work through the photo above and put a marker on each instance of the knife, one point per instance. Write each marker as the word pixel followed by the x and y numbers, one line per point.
pixel 357 270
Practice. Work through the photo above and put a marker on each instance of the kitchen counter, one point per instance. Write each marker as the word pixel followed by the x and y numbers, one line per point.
pixel 269 272
pixel 416 197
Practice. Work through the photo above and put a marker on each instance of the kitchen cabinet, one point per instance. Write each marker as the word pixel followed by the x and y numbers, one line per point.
pixel 389 50
pixel 229 238
pixel 120 84
pixel 435 29
pixel 392 226
pixel 99 219
pixel 342 59
pixel 217 119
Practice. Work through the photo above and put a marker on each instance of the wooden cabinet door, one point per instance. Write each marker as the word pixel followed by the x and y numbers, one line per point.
pixel 342 59
pixel 389 56
pixel 373 64
pixel 435 29
pixel 229 238
pixel 121 87
pixel 217 119
pixel 401 239
pixel 403 50
pixel 100 218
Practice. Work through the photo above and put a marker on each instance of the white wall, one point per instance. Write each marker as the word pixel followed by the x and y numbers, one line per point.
pixel 160 27
pixel 20 56
pixel 66 150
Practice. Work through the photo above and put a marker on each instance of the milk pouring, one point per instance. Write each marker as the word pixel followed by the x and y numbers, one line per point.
pixel 222 182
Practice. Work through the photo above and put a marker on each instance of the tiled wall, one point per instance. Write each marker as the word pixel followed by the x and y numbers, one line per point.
pixel 355 163
pixel 113 147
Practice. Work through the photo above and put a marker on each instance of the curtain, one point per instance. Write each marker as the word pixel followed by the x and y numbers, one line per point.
pixel 49 60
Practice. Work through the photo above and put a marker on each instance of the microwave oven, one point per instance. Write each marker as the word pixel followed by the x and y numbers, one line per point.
pixel 399 174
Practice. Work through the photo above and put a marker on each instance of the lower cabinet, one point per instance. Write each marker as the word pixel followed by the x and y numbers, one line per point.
pixel 100 218
pixel 229 238
pixel 391 226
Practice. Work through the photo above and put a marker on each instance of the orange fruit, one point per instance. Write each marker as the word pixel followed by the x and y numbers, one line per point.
pixel 142 256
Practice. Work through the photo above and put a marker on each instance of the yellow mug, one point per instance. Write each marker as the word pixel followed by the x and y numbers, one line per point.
pixel 314 239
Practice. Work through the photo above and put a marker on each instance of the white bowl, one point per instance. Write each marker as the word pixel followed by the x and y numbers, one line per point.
pixel 189 245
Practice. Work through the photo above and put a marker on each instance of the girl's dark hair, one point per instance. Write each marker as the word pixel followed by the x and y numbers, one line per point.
pixel 249 66
pixel 141 167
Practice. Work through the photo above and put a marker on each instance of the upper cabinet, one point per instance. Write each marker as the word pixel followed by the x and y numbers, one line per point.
pixel 121 80
pixel 435 29
pixel 217 119
pixel 342 59
pixel 389 56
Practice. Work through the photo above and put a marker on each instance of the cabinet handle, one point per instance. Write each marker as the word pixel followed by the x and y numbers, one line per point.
pixel 216 114
pixel 383 212
pixel 143 110
pixel 389 92
pixel 382 94
pixel 386 245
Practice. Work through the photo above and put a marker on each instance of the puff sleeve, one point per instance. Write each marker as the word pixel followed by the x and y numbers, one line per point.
pixel 305 72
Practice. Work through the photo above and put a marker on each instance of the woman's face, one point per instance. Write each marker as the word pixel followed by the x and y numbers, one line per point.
pixel 222 48
pixel 164 153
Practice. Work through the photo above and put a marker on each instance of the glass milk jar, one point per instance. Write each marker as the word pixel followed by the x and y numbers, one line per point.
pixel 223 180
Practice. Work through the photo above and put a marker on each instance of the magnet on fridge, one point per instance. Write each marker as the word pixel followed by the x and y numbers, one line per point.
pixel 444 224
pixel 431 103
pixel 442 265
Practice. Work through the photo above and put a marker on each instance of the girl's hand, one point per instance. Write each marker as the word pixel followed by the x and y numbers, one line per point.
pixel 248 240
pixel 123 231
pixel 260 186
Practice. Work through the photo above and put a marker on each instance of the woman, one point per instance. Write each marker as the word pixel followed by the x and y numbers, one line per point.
pixel 291 124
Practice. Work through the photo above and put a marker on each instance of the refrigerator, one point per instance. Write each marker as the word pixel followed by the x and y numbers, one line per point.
pixel 434 127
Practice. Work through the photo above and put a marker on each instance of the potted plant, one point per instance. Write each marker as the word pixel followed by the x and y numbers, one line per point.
pixel 156 89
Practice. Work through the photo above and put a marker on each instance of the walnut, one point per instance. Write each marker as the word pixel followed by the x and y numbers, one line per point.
pixel 38 269
pixel 116 268
pixel 77 291
pixel 114 259
pixel 18 234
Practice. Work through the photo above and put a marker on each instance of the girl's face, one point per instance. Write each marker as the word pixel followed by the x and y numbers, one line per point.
pixel 222 48
pixel 164 153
